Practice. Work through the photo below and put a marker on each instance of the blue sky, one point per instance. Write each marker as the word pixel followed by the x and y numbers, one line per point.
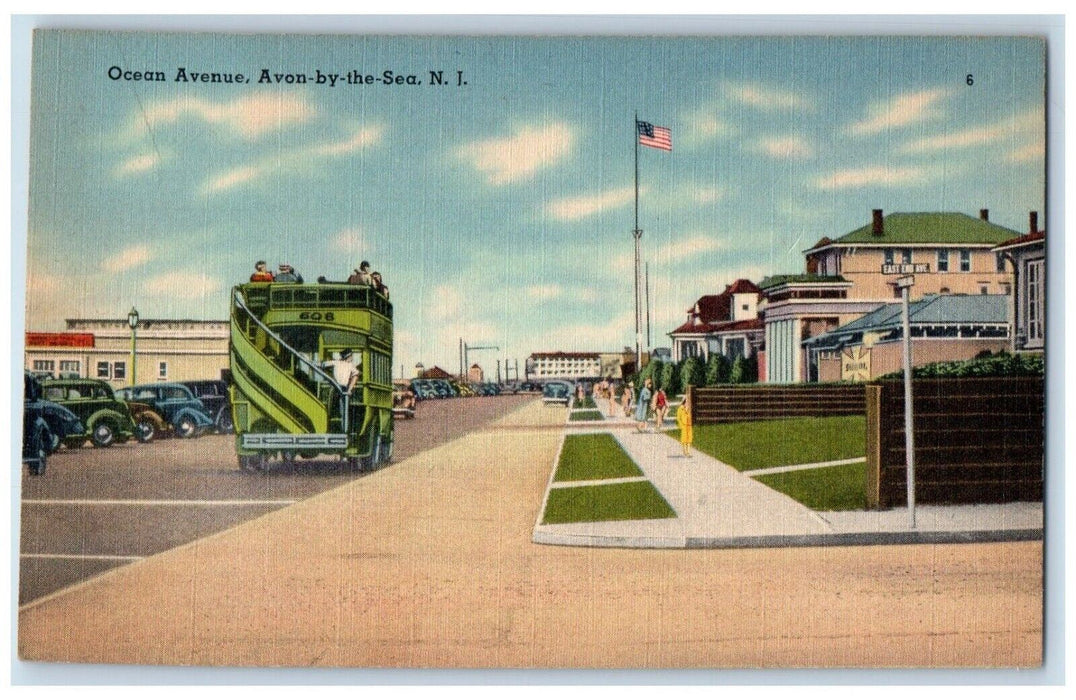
pixel 501 211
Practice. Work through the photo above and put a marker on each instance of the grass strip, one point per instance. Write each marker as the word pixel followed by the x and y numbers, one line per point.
pixel 636 500
pixel 843 487
pixel 587 415
pixel 599 456
pixel 780 443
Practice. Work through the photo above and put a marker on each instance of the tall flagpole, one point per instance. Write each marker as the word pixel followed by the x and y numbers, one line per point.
pixel 637 233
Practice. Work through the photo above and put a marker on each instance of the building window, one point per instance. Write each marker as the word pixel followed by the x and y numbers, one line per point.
pixel 943 260
pixel 887 255
pixel 71 366
pixel 1000 261
pixel 119 370
pixel 162 370
pixel 983 289
pixel 43 365
pixel 965 261
pixel 906 256
pixel 1034 301
pixel 102 370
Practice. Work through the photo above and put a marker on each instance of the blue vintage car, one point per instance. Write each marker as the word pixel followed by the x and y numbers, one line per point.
pixel 35 431
pixel 174 404
pixel 62 423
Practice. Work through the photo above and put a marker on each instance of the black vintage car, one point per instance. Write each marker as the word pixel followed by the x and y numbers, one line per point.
pixel 106 419
pixel 36 435
pixel 174 404
pixel 213 393
pixel 62 423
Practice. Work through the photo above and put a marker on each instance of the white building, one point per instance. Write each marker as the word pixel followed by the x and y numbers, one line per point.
pixel 571 366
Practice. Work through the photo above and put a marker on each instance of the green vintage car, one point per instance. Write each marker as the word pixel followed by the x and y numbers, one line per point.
pixel 107 419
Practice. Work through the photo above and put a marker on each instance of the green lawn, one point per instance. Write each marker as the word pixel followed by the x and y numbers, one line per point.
pixel 829 488
pixel 587 415
pixel 599 456
pixel 780 443
pixel 635 500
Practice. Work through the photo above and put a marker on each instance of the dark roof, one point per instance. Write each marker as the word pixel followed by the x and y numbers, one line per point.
pixel 1026 239
pixel 436 372
pixel 933 309
pixel 717 308
pixel 723 327
pixel 804 278
pixel 930 228
pixel 742 286
pixel 565 355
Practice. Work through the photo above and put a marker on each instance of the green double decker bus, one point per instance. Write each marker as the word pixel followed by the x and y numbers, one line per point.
pixel 287 401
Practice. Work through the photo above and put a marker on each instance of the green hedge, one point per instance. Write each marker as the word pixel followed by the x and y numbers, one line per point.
pixel 1001 365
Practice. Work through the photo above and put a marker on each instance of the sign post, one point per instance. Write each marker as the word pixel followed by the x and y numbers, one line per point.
pixel 904 284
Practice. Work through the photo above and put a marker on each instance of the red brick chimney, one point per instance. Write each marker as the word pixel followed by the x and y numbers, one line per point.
pixel 876 224
pixel 1033 222
pixel 984 214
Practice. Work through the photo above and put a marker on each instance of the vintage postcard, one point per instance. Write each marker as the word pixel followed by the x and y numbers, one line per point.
pixel 544 352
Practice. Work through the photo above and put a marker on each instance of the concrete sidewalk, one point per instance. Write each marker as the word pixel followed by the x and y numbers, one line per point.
pixel 717 506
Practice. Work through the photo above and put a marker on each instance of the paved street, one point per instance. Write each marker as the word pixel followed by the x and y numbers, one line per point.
pixel 96 509
pixel 430 564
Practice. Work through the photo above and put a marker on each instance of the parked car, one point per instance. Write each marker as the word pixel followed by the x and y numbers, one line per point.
pixel 556 392
pixel 106 420
pixel 62 423
pixel 403 403
pixel 181 411
pixel 35 431
pixel 460 388
pixel 213 393
pixel 422 389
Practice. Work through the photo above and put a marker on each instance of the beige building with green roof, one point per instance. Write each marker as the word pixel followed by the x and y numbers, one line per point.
pixel 950 253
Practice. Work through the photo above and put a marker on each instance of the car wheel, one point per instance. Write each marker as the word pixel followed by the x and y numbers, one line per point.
pixel 354 464
pixel 253 463
pixel 53 442
pixel 224 421
pixel 186 427
pixel 103 435
pixel 41 452
pixel 145 431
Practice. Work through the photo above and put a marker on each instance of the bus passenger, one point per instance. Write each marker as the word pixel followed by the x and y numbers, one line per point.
pixel 375 278
pixel 260 273
pixel 344 371
pixel 287 273
pixel 361 275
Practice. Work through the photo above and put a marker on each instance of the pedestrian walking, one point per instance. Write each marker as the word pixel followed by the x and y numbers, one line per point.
pixel 661 407
pixel 642 406
pixel 683 421
pixel 612 398
pixel 626 397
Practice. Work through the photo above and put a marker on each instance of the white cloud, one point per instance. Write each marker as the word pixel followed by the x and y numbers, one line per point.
pixel 1032 152
pixel 1025 125
pixel 785 147
pixel 901 111
pixel 708 195
pixel 138 164
pixel 544 292
pixel 296 157
pixel 127 258
pixel 352 241
pixel 766 98
pixel 872 176
pixel 183 285
pixel 518 157
pixel 250 117
pixel 573 208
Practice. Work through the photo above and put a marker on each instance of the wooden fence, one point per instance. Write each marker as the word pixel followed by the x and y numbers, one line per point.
pixel 733 403
pixel 976 441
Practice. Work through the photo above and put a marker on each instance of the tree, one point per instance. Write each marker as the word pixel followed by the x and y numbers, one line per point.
pixel 738 375
pixel 652 371
pixel 670 379
pixel 717 369
pixel 692 373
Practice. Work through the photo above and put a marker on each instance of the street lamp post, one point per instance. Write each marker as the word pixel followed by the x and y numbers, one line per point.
pixel 904 284
pixel 132 321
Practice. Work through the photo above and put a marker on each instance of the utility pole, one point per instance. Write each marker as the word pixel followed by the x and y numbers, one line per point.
pixel 904 284
pixel 467 348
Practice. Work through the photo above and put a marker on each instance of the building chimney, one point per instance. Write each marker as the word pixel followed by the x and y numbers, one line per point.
pixel 984 214
pixel 876 225
pixel 1033 222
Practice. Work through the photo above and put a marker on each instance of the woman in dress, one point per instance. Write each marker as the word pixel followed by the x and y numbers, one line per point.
pixel 642 406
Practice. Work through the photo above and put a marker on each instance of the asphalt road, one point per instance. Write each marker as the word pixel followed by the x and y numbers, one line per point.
pixel 96 509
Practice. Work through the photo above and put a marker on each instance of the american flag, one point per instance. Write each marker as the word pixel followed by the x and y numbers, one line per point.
pixel 654 136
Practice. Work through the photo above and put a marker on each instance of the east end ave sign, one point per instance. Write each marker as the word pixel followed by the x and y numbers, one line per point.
pixel 905 268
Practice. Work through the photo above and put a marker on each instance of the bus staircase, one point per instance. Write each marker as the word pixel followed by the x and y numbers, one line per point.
pixel 297 395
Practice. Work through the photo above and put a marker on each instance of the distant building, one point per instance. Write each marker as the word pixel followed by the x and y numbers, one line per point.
pixel 167 350
pixel 727 324
pixel 949 254
pixel 564 365
pixel 1027 256
pixel 475 374
pixel 435 372
pixel 943 328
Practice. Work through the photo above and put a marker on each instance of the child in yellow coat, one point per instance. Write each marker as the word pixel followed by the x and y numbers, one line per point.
pixel 683 421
